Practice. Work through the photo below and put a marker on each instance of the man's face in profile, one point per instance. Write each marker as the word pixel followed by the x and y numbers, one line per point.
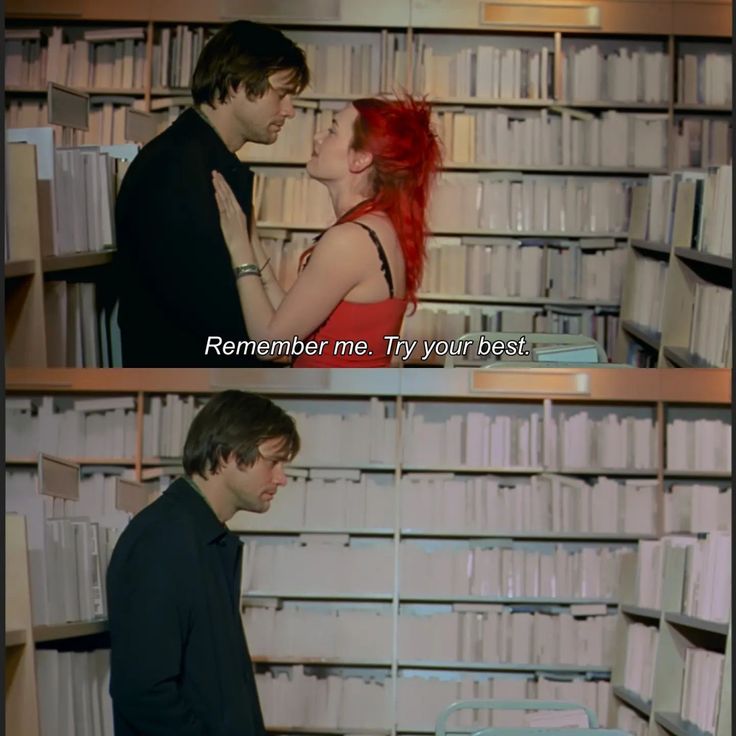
pixel 253 488
pixel 261 118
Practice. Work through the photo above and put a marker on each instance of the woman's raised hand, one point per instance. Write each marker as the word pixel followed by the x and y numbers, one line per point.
pixel 232 221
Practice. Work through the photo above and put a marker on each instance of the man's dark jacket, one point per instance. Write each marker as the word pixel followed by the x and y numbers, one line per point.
pixel 173 272
pixel 179 661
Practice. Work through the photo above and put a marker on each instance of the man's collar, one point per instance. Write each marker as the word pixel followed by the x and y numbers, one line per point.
pixel 204 117
pixel 208 526
pixel 193 119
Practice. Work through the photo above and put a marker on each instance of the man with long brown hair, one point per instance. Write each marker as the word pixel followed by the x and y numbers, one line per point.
pixel 179 660
pixel 174 277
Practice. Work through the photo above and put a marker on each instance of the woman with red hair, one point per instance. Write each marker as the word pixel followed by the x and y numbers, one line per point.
pixel 377 160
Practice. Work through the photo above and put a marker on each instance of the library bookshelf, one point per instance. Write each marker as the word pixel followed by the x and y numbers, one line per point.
pixel 675 304
pixel 21 636
pixel 391 526
pixel 396 34
pixel 677 634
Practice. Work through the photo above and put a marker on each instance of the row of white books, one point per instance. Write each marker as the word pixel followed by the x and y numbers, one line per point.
pixel 295 698
pixel 78 186
pixel 579 440
pixel 340 69
pixel 687 209
pixel 343 69
pixel 484 634
pixel 702 142
pixel 105 427
pixel 623 74
pixel 471 438
pixel 555 137
pixel 646 305
pixel 324 567
pixel 717 207
pixel 701 688
pixel 361 632
pixel 707 588
pixel 26 61
pixel 78 428
pixel 84 189
pixel 499 202
pixel 176 53
pixel 572 440
pixel 483 72
pixel 700 444
pixel 118 64
pixel 650 563
pixel 92 59
pixel 73 693
pixel 696 508
pixel 507 637
pixel 707 593
pixel 79 333
pixel 342 500
pixel 711 327
pixel 166 422
pixel 75 569
pixel 704 78
pixel 504 267
pixel 519 570
pixel 350 438
pixel 66 564
pixel 627 719
pixel 433 321
pixel 546 503
pixel 77 189
pixel 363 66
pixel 513 203
pixel 641 653
pixel 284 196
pixel 116 58
pixel 337 565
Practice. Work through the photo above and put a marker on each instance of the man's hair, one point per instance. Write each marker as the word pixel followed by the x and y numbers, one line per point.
pixel 246 53
pixel 236 422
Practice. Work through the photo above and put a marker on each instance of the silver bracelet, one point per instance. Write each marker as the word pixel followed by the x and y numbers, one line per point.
pixel 246 269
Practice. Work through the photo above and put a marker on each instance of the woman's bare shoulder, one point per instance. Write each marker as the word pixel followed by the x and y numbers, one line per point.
pixel 349 234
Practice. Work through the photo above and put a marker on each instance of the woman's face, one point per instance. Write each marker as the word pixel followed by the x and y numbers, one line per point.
pixel 331 153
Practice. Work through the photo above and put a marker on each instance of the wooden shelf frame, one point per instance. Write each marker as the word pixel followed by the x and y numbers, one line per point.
pixel 643 707
pixel 65 632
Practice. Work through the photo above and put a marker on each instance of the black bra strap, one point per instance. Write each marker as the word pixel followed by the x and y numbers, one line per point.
pixel 382 255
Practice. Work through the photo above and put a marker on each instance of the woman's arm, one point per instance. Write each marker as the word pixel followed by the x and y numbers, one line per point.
pixel 330 275
pixel 274 292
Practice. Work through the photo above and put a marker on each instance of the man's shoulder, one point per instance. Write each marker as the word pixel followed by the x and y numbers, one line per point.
pixel 171 152
pixel 165 522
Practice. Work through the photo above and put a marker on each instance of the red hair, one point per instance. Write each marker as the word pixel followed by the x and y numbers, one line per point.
pixel 406 157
